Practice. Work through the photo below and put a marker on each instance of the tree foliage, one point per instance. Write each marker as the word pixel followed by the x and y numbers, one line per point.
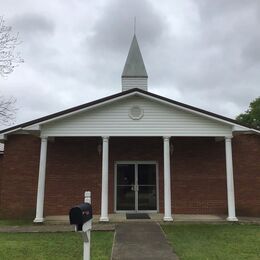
pixel 9 58
pixel 251 117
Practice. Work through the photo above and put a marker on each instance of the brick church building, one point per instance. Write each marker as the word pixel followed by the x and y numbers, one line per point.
pixel 136 152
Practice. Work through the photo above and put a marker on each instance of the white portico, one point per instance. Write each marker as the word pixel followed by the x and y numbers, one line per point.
pixel 110 119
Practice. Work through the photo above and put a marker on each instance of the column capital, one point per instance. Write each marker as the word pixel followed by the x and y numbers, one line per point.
pixel 3 137
pixel 105 138
pixel 166 138
pixel 228 138
pixel 44 138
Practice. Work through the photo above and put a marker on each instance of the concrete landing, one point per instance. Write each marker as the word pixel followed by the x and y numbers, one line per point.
pixel 141 241
pixel 158 217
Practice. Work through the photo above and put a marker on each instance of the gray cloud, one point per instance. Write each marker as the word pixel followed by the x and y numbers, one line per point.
pixel 115 26
pixel 205 53
pixel 33 25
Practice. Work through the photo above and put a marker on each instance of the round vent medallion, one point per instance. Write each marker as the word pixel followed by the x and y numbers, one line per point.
pixel 136 113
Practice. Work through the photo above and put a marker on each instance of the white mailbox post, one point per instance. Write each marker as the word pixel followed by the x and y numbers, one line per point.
pixel 86 231
pixel 81 217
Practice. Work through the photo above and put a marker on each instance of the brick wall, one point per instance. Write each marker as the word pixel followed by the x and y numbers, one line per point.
pixel 74 165
pixel 19 176
pixel 246 159
pixel 198 176
pixel 1 173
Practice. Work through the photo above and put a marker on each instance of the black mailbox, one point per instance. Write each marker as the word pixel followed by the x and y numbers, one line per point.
pixel 80 214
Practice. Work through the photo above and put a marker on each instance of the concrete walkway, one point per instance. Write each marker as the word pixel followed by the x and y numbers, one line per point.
pixel 141 241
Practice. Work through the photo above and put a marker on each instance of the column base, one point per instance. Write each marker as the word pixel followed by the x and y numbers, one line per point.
pixel 232 219
pixel 167 219
pixel 38 220
pixel 104 219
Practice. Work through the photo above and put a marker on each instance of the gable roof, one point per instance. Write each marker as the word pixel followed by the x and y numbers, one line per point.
pixel 120 95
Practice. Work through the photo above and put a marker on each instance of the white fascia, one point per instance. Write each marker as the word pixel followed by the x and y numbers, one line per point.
pixel 13 130
pixel 29 128
pixel 239 128
pixel 35 127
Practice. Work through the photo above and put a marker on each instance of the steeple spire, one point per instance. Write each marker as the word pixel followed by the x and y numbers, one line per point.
pixel 134 74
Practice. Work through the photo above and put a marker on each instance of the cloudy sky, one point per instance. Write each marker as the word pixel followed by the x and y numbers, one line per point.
pixel 201 52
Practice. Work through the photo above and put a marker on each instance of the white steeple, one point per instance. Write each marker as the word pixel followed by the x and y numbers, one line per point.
pixel 134 74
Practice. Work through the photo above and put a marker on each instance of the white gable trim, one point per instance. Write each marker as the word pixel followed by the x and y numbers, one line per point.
pixel 241 128
pixel 113 120
pixel 37 126
pixel 129 95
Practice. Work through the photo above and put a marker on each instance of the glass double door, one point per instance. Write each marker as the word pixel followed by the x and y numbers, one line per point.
pixel 136 188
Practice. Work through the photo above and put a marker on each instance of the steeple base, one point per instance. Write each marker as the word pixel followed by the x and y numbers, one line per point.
pixel 134 82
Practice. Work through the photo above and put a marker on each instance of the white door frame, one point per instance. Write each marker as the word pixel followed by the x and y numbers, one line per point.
pixel 136 194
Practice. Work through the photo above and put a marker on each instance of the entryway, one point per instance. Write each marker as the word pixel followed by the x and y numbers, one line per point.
pixel 136 187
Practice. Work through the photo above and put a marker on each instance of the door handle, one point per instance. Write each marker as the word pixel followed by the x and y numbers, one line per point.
pixel 134 188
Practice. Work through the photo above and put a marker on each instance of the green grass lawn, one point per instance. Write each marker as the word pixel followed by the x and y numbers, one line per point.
pixel 67 245
pixel 219 241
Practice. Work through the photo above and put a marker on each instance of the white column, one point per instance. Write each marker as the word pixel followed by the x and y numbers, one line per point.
pixel 167 179
pixel 230 181
pixel 41 181
pixel 104 191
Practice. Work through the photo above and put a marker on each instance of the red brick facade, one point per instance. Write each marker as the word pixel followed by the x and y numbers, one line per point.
pixel 1 173
pixel 74 165
pixel 199 176
pixel 246 158
pixel 20 176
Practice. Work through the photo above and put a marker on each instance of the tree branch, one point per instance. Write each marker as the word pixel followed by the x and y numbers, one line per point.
pixel 9 59
pixel 7 110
